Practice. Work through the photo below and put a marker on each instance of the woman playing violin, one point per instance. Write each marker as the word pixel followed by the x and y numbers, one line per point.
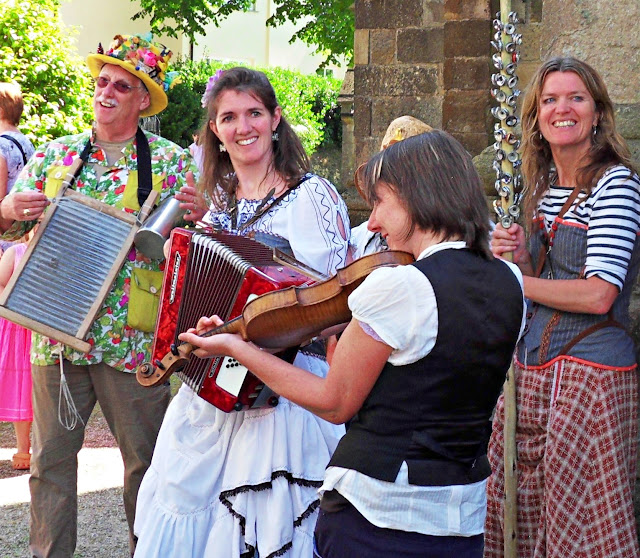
pixel 418 369
pixel 225 485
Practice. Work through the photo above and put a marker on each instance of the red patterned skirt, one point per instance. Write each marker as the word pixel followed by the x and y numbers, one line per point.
pixel 577 443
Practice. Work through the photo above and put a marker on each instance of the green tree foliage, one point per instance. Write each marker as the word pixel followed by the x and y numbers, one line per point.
pixel 305 101
pixel 327 25
pixel 36 52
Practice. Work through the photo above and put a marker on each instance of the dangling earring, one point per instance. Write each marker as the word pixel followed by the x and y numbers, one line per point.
pixel 275 136
pixel 540 137
pixel 595 130
pixel 222 148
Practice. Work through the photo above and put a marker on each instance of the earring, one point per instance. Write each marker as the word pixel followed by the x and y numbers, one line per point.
pixel 275 136
pixel 540 137
pixel 222 148
pixel 595 130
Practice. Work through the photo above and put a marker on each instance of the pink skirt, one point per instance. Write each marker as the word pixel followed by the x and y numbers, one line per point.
pixel 15 373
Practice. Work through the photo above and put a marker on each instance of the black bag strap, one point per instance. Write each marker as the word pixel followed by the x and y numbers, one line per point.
pixel 144 167
pixel 17 144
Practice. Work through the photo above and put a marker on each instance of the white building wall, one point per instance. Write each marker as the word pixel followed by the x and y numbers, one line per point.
pixel 242 37
pixel 100 21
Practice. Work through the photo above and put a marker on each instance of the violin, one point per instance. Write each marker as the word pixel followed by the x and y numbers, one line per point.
pixel 286 318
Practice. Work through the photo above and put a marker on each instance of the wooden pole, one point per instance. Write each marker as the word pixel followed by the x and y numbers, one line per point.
pixel 509 212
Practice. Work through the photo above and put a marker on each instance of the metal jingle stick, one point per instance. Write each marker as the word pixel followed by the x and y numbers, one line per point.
pixel 512 99
pixel 511 120
pixel 504 191
pixel 499 95
pixel 498 79
pixel 512 156
pixel 514 211
pixel 506 178
pixel 506 221
pixel 510 47
pixel 517 183
pixel 512 139
pixel 500 113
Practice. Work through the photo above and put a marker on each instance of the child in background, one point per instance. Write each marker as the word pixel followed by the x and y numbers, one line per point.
pixel 15 368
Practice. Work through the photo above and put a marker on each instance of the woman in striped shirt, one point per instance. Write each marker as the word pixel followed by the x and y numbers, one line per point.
pixel 575 366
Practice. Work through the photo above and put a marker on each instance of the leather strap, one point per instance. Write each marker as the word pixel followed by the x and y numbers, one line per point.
pixel 555 318
pixel 543 253
pixel 609 322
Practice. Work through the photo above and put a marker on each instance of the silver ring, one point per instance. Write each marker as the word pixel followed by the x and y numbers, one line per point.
pixel 26 212
pixel 188 212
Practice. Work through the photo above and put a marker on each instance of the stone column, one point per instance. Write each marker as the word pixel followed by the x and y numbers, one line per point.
pixel 467 72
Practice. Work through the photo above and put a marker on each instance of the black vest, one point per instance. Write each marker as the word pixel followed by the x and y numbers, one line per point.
pixel 435 413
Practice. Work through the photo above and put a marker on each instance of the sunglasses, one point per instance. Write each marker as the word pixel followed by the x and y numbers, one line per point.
pixel 120 86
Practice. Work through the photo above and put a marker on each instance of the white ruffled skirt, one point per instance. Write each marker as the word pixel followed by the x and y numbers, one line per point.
pixel 230 485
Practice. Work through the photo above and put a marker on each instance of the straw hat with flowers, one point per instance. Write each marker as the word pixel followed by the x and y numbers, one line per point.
pixel 142 58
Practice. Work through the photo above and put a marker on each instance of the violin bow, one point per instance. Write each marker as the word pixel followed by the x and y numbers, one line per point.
pixel 507 207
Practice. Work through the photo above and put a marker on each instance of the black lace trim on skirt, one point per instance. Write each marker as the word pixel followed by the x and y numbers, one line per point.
pixel 227 494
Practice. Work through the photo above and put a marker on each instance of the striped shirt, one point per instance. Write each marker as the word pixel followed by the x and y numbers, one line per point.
pixel 611 216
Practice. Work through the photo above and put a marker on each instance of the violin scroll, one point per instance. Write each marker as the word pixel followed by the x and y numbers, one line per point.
pixel 149 375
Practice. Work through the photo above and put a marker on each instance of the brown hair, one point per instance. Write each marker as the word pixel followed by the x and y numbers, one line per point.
pixel 11 105
pixel 437 182
pixel 608 147
pixel 289 157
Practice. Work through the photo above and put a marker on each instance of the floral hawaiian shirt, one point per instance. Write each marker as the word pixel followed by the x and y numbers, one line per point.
pixel 113 341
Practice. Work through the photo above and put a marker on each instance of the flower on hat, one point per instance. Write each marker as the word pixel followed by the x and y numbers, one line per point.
pixel 143 58
pixel 146 56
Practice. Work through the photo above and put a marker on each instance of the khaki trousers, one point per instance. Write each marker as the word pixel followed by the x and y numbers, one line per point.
pixel 134 414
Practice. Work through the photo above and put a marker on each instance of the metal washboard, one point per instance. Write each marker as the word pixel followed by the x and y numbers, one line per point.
pixel 69 268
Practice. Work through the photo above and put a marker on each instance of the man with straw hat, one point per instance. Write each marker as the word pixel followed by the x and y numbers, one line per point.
pixel 121 164
pixel 363 241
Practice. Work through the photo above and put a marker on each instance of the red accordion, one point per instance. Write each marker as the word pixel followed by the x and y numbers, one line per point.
pixel 218 273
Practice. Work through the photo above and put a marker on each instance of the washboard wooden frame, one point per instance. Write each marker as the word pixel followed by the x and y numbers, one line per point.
pixel 81 243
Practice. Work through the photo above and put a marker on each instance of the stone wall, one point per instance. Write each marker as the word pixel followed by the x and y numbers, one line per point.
pixel 426 58
pixel 432 59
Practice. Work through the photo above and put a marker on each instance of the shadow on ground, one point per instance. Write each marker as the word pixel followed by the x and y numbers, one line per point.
pixel 102 527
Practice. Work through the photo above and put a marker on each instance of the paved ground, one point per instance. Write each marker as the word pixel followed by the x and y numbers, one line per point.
pixel 102 528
